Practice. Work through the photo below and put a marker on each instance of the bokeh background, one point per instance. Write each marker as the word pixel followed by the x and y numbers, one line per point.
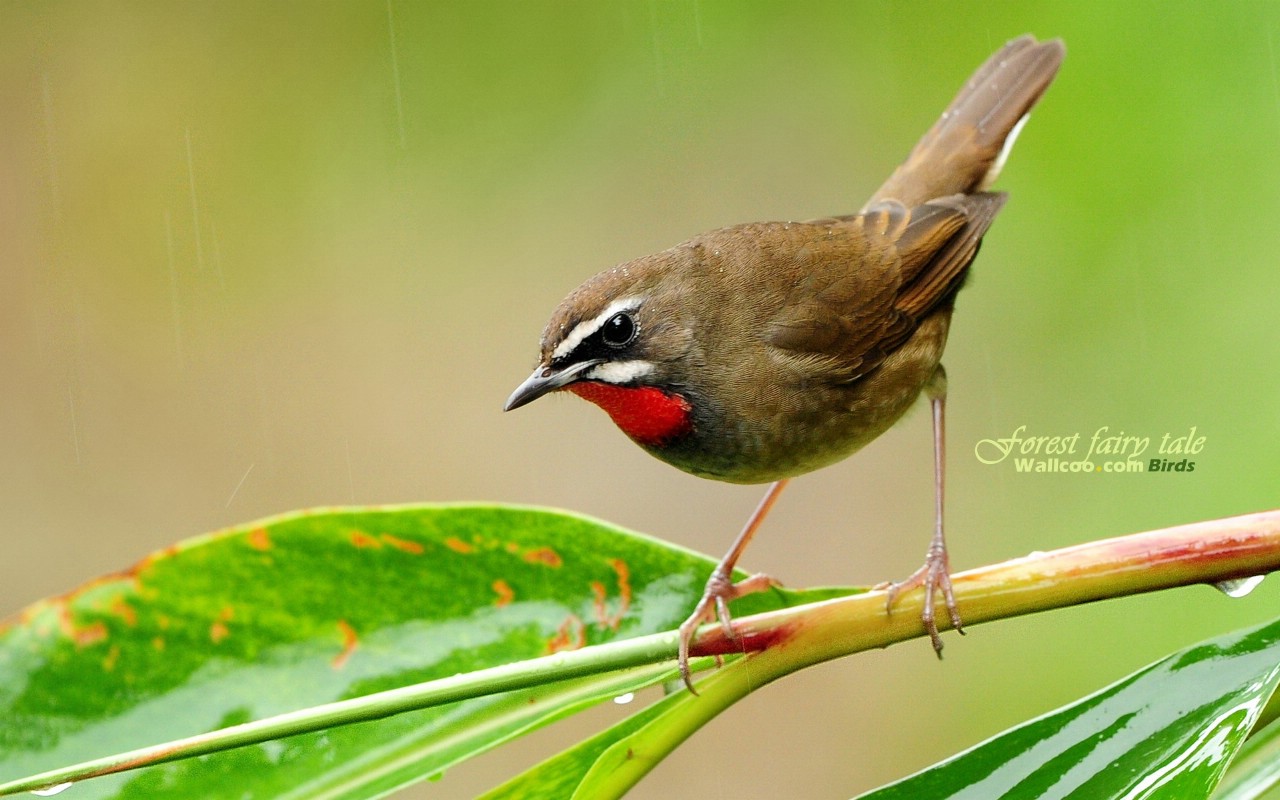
pixel 257 257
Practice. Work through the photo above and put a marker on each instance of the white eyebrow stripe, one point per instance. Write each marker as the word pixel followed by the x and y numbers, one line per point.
pixel 620 371
pixel 587 327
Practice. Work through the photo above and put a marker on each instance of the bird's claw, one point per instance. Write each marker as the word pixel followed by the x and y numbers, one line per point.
pixel 715 605
pixel 935 576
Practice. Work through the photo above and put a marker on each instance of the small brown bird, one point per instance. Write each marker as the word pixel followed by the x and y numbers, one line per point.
pixel 763 351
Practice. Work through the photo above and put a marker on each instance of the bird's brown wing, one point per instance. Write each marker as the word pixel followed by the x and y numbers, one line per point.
pixel 937 271
pixel 859 294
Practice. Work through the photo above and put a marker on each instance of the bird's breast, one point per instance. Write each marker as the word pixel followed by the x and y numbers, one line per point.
pixel 649 415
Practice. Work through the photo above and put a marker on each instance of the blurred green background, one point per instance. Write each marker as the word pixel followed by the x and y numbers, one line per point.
pixel 256 257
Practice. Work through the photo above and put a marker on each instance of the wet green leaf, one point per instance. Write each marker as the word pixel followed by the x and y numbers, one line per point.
pixel 1255 773
pixel 562 774
pixel 1167 731
pixel 315 607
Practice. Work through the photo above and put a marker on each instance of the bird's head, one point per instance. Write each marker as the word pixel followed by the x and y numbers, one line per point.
pixel 620 341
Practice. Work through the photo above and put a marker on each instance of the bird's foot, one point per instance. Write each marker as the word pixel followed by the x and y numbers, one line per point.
pixel 715 605
pixel 935 577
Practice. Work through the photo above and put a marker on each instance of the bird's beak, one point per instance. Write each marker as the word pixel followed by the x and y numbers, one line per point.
pixel 545 380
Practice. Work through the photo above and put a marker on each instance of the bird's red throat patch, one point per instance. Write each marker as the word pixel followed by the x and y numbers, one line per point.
pixel 645 413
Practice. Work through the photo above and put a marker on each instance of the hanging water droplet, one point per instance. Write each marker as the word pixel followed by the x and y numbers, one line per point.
pixel 1239 587
pixel 623 699
pixel 50 791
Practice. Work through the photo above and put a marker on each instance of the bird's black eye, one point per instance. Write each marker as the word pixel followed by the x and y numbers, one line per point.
pixel 619 331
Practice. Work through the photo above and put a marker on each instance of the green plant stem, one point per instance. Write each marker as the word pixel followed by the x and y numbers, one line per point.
pixel 1203 552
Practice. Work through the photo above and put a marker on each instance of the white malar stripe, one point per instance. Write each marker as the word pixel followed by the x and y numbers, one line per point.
pixel 590 326
pixel 993 171
pixel 620 371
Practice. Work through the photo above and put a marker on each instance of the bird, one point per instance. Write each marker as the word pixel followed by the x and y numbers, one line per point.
pixel 759 352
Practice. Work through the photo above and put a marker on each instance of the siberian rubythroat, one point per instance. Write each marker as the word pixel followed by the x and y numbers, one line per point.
pixel 759 352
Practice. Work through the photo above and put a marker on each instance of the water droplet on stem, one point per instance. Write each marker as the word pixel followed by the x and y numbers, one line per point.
pixel 1239 587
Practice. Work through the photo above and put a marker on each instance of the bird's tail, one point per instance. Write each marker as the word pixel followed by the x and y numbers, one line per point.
pixel 965 149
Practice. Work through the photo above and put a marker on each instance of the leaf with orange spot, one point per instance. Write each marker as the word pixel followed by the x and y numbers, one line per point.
pixel 259 539
pixel 504 592
pixel 210 633
pixel 349 641
pixel 363 540
pixel 403 544
pixel 544 555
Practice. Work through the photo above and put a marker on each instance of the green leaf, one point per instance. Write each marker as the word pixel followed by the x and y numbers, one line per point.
pixel 561 775
pixel 316 607
pixel 1255 772
pixel 610 763
pixel 1167 731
